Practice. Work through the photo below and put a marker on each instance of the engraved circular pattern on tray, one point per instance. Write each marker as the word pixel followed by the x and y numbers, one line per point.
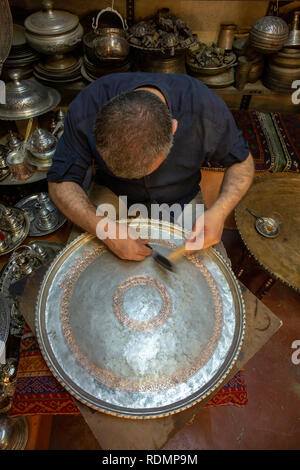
pixel 139 374
pixel 141 324
pixel 107 377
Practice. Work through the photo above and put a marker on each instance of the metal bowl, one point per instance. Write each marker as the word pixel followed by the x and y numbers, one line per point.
pixel 210 70
pixel 221 80
pixel 53 31
pixel 59 44
pixel 111 44
pixel 268 34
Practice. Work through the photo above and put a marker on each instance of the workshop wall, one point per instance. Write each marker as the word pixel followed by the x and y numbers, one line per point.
pixel 204 17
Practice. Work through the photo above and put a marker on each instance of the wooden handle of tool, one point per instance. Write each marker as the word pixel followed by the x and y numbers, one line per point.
pixel 28 129
pixel 176 254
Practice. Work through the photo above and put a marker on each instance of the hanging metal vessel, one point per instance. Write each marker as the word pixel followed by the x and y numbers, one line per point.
pixel 111 42
pixel 131 339
pixel 268 34
pixel 53 31
pixel 294 36
pixel 27 98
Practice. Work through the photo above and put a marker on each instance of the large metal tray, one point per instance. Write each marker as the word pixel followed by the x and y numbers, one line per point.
pixel 131 339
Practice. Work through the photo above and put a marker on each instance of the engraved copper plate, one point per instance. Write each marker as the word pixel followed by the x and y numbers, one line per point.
pixel 132 339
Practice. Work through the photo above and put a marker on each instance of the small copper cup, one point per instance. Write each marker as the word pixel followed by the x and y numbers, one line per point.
pixel 19 167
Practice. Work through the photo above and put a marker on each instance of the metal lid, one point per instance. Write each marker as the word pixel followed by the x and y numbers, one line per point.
pixel 27 98
pixel 51 22
pixel 271 25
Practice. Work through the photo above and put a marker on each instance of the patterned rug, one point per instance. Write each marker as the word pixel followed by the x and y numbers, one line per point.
pixel 38 392
pixel 273 139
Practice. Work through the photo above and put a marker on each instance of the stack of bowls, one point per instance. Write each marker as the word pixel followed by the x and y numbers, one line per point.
pixel 58 70
pixel 55 34
pixel 282 70
pixel 21 56
pixel 269 34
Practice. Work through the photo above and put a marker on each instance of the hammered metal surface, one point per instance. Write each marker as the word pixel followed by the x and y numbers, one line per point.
pixel 133 339
pixel 277 194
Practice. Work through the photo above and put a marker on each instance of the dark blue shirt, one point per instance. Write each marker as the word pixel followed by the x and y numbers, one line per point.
pixel 206 131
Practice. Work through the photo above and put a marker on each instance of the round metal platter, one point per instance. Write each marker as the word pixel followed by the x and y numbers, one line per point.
pixel 270 194
pixel 29 205
pixel 133 340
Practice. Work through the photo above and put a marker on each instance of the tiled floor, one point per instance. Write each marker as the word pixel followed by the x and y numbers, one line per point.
pixel 270 420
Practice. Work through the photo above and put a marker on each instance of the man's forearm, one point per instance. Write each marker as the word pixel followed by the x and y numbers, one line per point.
pixel 73 202
pixel 236 182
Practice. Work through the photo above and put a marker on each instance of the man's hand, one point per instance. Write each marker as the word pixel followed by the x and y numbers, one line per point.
pixel 207 231
pixel 124 241
pixel 236 183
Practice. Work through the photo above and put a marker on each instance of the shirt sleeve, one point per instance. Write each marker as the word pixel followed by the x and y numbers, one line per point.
pixel 228 145
pixel 73 155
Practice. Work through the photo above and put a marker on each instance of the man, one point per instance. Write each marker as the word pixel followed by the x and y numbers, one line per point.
pixel 149 134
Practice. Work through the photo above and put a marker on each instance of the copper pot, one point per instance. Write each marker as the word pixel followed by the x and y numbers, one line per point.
pixel 19 167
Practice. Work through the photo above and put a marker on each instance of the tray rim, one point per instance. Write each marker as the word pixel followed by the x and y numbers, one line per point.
pixel 127 412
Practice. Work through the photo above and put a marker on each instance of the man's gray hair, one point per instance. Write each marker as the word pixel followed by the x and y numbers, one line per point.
pixel 132 131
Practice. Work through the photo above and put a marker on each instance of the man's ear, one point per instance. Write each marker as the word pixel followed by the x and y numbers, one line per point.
pixel 174 125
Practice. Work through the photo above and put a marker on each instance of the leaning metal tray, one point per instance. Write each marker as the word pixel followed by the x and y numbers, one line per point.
pixel 133 340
